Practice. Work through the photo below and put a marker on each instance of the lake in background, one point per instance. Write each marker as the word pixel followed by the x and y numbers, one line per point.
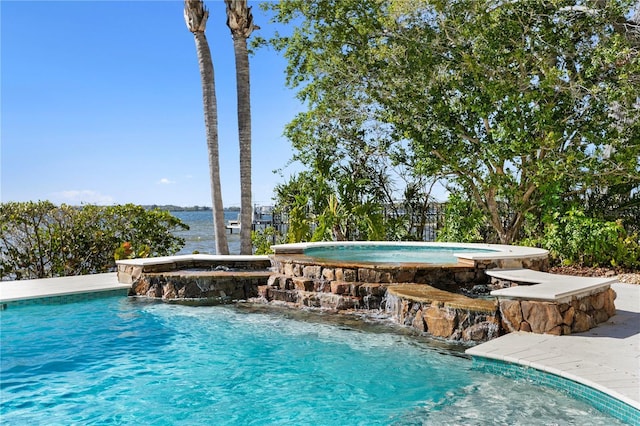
pixel 200 236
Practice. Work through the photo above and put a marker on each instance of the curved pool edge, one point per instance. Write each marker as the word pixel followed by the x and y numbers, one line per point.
pixel 603 399
pixel 599 366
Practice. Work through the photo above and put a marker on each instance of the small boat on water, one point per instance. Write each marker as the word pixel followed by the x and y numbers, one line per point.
pixel 262 217
pixel 233 224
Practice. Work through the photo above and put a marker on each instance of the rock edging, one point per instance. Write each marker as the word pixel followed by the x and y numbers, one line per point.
pixel 443 314
pixel 578 315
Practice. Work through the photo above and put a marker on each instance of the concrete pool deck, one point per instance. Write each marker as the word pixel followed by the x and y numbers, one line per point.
pixel 14 291
pixel 606 358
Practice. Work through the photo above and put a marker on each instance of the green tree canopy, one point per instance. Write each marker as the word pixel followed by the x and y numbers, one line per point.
pixel 516 104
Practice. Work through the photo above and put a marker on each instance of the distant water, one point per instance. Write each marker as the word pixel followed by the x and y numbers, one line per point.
pixel 200 235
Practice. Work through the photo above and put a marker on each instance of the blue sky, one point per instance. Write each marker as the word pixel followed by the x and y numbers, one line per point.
pixel 102 103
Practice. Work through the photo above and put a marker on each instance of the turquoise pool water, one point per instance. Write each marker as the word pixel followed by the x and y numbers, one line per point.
pixel 125 361
pixel 379 253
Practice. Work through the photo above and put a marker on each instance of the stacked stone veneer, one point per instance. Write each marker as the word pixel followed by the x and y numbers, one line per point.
pixel 425 297
pixel 304 281
pixel 333 295
pixel 558 317
pixel 421 295
pixel 196 280
pixel 203 287
pixel 423 307
pixel 464 275
pixel 443 314
pixel 300 267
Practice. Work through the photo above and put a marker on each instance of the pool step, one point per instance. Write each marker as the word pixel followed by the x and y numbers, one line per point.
pixel 443 314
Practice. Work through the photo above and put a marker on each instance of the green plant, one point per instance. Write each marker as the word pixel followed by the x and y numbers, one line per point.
pixel 574 238
pixel 262 240
pixel 513 102
pixel 126 251
pixel 40 239
pixel 463 221
pixel 299 223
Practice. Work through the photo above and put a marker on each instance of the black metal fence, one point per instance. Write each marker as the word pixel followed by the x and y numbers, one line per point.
pixel 424 226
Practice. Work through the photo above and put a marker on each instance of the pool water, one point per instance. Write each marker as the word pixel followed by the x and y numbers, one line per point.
pixel 395 253
pixel 127 361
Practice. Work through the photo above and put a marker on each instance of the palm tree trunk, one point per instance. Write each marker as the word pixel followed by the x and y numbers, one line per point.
pixel 211 126
pixel 244 131
pixel 240 22
pixel 196 18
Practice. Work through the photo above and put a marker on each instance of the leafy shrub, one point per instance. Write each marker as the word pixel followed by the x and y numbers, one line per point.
pixel 263 240
pixel 40 239
pixel 463 223
pixel 299 222
pixel 127 251
pixel 574 238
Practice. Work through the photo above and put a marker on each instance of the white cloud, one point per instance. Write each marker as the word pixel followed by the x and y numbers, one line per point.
pixel 165 181
pixel 85 196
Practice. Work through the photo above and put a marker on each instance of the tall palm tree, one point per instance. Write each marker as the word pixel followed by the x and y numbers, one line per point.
pixel 195 16
pixel 240 22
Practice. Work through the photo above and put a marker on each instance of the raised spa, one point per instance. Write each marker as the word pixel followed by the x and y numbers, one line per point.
pixel 407 280
pixel 438 264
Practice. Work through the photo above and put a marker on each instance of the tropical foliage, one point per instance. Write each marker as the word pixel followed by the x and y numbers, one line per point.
pixel 262 240
pixel 574 238
pixel 520 107
pixel 41 240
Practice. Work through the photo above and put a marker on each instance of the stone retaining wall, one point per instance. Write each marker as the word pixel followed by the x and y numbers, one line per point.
pixel 199 279
pixel 318 293
pixel 447 277
pixel 435 311
pixel 425 297
pixel 576 316
pixel 433 303
pixel 205 287
pixel 425 308
pixel 452 277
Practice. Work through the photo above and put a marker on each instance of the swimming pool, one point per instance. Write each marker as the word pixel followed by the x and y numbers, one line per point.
pixel 125 360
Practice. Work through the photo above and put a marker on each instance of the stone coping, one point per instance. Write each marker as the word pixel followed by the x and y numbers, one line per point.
pixel 530 276
pixel 161 260
pixel 500 251
pixel 548 287
pixel 186 273
pixel 426 294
